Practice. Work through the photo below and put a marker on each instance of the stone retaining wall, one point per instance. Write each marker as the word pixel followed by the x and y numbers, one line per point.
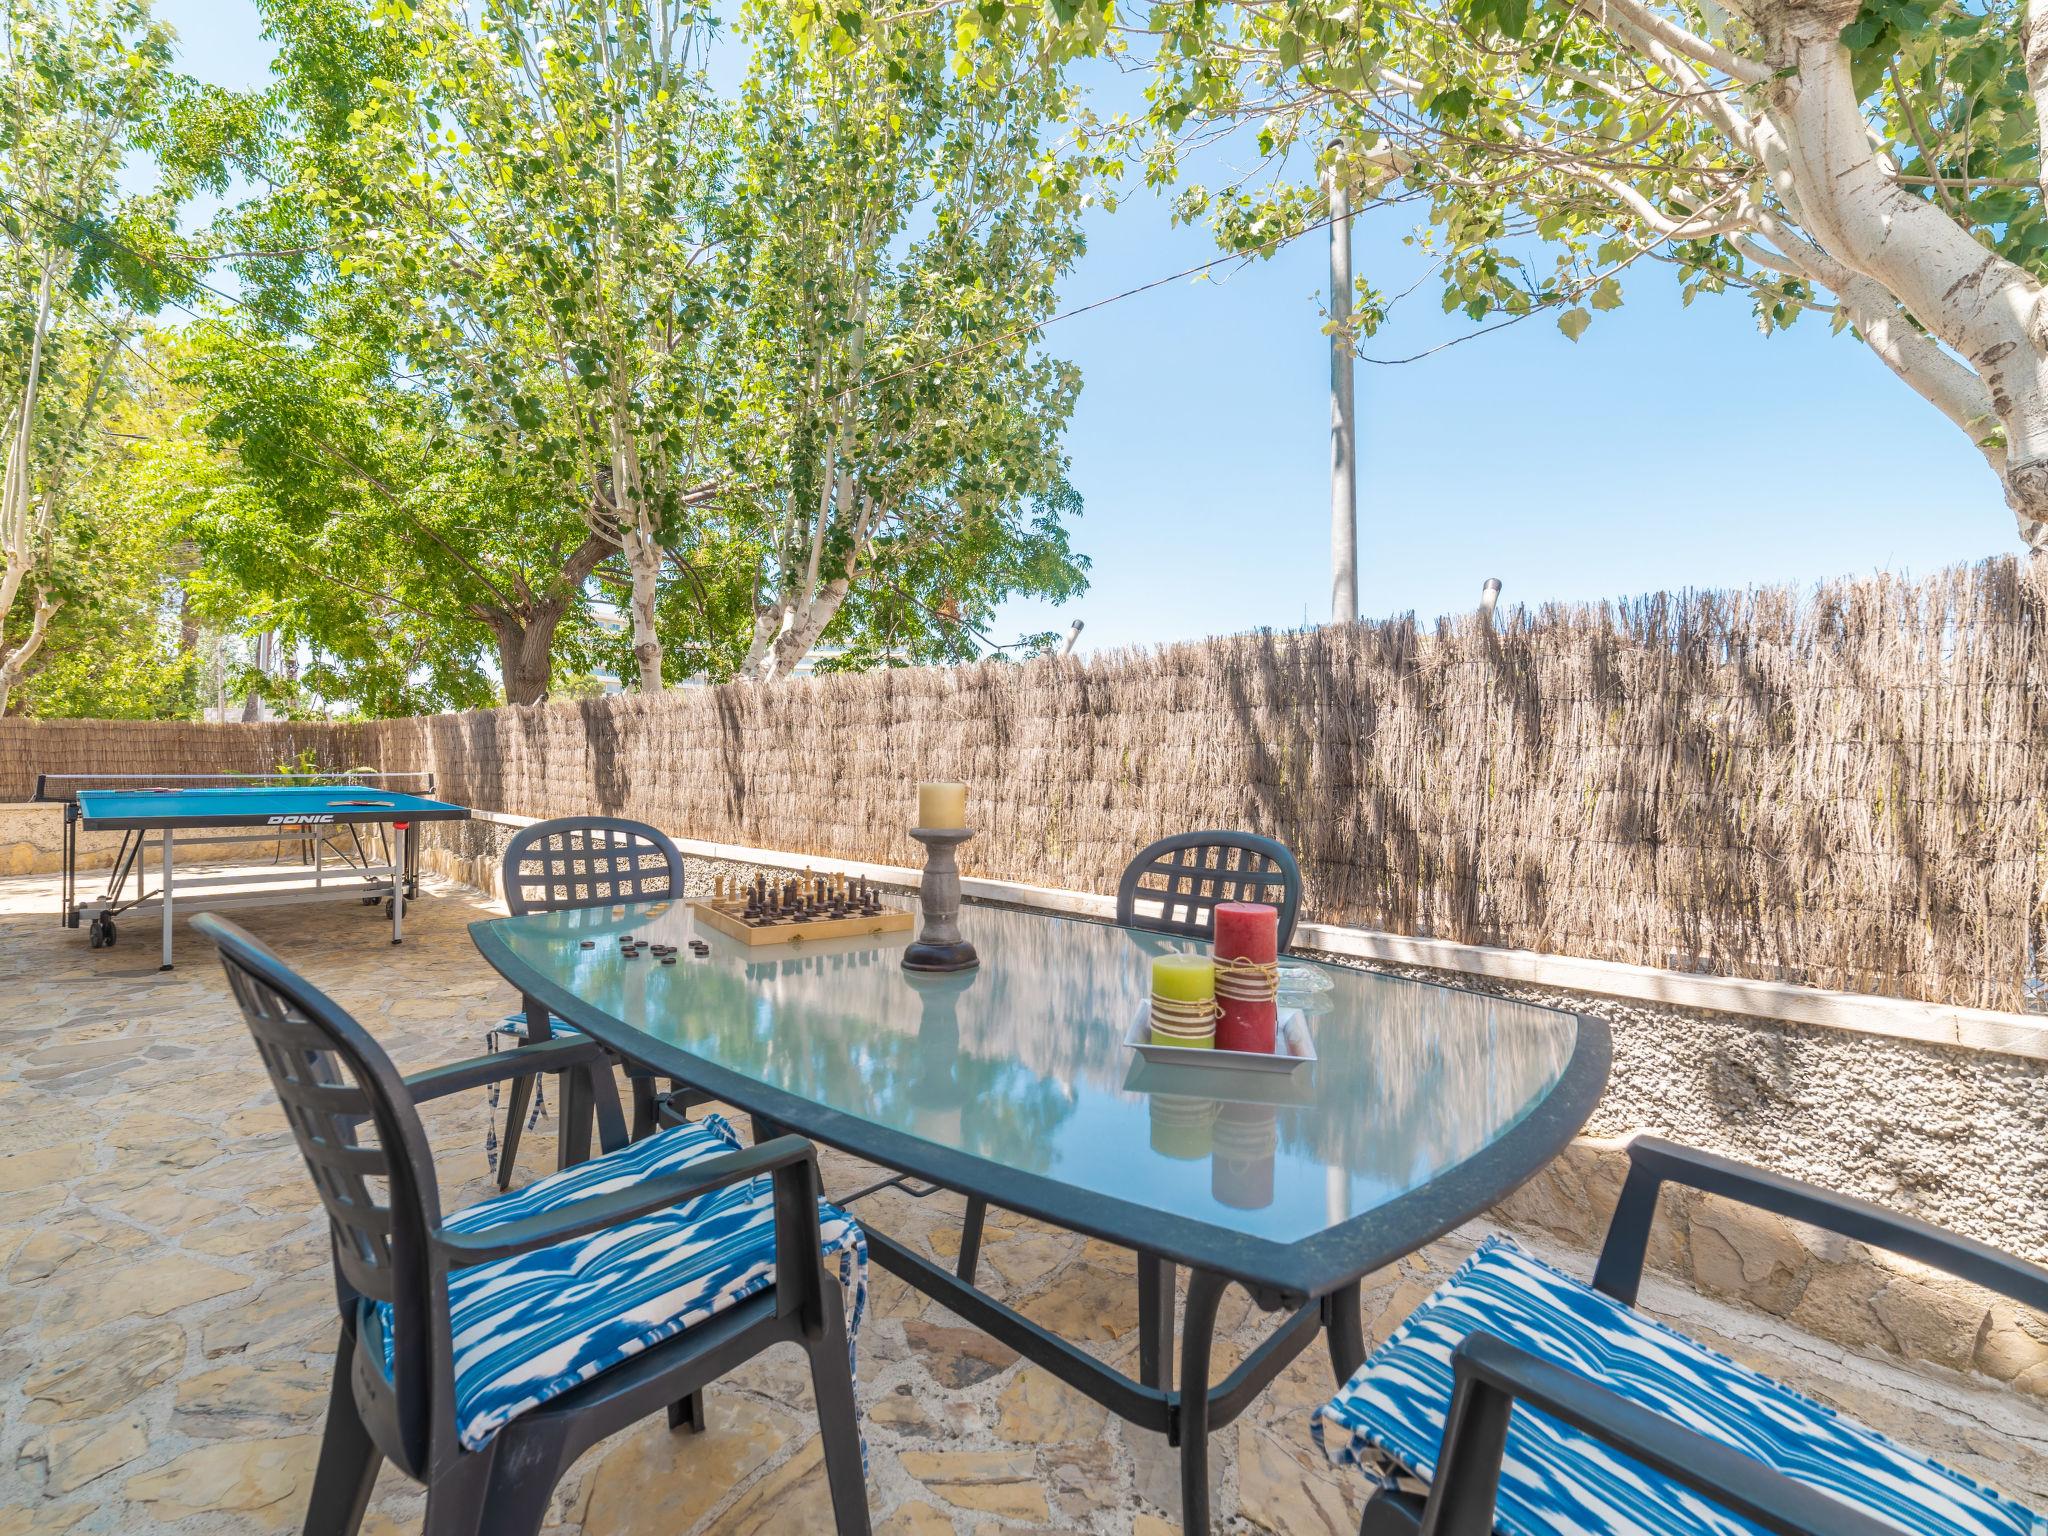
pixel 32 841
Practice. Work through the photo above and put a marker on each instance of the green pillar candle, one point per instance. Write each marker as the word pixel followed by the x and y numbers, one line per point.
pixel 1184 978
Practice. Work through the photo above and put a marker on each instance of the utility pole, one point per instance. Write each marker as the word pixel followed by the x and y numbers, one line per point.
pixel 1343 424
pixel 1489 595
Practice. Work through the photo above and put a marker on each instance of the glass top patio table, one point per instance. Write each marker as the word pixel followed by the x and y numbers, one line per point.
pixel 1014 1082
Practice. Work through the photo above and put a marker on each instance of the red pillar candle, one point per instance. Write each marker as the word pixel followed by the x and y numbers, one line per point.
pixel 1246 930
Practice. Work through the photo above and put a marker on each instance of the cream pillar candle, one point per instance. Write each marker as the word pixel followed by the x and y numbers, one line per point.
pixel 941 806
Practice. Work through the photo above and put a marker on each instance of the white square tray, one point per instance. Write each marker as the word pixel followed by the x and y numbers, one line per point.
pixel 1294 1047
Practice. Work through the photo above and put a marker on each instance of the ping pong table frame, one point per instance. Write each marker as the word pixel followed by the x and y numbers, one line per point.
pixel 394 881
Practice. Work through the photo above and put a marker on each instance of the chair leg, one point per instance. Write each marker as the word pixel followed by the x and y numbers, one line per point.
pixel 609 1119
pixel 349 1458
pixel 839 1418
pixel 643 1106
pixel 970 1237
pixel 457 1496
pixel 688 1413
pixel 521 1486
pixel 572 1131
pixel 519 1100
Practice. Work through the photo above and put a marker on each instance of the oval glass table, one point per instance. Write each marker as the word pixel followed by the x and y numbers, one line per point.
pixel 1013 1085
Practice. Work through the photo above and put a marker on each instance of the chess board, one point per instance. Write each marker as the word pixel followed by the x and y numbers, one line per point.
pixel 793 911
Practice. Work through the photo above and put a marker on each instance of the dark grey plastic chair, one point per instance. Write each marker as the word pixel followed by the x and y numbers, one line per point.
pixel 393 1394
pixel 1183 877
pixel 1492 1375
pixel 585 861
pixel 1186 875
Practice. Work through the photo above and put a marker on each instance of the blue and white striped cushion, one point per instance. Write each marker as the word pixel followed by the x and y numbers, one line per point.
pixel 529 1328
pixel 1557 1482
pixel 515 1025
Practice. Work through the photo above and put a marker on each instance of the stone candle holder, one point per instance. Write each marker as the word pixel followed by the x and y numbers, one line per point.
pixel 939 945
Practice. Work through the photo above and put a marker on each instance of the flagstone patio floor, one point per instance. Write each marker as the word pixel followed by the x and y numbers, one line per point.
pixel 167 1320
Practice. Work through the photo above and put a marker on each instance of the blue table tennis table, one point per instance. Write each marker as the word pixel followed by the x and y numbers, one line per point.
pixel 329 836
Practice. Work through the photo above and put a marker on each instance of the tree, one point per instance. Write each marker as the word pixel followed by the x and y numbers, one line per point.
pixel 121 631
pixel 513 207
pixel 896 235
pixel 360 520
pixel 1877 164
pixel 86 86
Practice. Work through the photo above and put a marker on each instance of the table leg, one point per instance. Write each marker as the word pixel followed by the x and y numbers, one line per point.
pixel 1198 1335
pixel 398 883
pixel 970 1238
pixel 1347 1331
pixel 1155 1320
pixel 169 861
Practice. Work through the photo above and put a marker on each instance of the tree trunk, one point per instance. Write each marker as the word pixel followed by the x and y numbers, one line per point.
pixel 525 653
pixel 1343 423
pixel 21 549
pixel 784 636
pixel 14 666
pixel 643 559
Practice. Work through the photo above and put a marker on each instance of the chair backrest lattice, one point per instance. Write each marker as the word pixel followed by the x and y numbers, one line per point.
pixel 1174 885
pixel 364 1147
pixel 589 861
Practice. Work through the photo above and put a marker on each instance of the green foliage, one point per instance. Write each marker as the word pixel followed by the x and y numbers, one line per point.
pixel 903 210
pixel 1532 135
pixel 91 109
pixel 521 285
pixel 123 642
pixel 367 528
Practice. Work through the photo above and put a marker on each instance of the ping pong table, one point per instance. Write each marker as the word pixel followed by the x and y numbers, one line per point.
pixel 330 836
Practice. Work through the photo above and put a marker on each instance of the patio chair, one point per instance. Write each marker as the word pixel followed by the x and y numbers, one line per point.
pixel 1621 1424
pixel 584 861
pixel 483 1353
pixel 1185 875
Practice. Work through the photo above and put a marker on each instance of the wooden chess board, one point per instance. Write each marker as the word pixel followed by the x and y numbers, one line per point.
pixel 730 918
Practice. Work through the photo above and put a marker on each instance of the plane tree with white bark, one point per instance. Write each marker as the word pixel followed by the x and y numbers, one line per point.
pixel 1877 165
pixel 514 201
pixel 899 229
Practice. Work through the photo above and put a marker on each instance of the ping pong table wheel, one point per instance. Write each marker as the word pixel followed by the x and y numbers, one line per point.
pixel 99 934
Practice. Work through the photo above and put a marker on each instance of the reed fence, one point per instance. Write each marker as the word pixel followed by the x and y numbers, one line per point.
pixel 1842 786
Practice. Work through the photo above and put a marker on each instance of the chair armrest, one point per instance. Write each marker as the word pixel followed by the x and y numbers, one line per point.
pixel 1493 1375
pixel 520 1061
pixel 792 1160
pixel 1654 1162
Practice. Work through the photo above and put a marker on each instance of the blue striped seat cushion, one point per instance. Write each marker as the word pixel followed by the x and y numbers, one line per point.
pixel 515 1025
pixel 529 1328
pixel 559 1027
pixel 1389 1419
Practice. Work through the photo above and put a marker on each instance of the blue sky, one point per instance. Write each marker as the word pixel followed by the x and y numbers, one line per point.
pixel 1667 448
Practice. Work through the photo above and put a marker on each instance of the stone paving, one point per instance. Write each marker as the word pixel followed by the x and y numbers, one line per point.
pixel 167 1322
